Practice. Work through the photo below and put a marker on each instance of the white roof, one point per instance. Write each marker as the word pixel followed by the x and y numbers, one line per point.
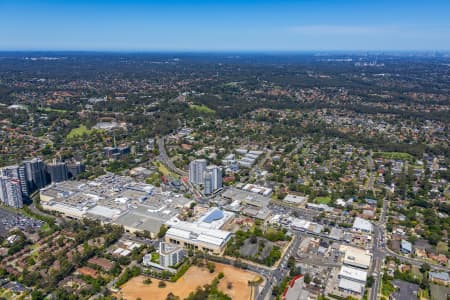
pixel 196 229
pixel 179 233
pixel 118 251
pixel 294 198
pixel 351 285
pixel 362 224
pixel 210 240
pixel 66 209
pixel 195 232
pixel 355 256
pixel 353 273
pixel 104 211
pixel 300 223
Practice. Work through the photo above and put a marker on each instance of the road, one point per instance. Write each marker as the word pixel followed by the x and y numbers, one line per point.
pixel 275 276
pixel 164 158
pixel 34 209
pixel 380 250
pixel 370 165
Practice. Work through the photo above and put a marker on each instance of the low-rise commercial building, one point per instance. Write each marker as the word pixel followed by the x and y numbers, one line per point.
pixel 114 199
pixel 405 246
pixel 352 280
pixel 356 257
pixel 194 236
pixel 362 225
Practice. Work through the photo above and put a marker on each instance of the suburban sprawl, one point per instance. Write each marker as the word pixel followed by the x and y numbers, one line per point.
pixel 163 176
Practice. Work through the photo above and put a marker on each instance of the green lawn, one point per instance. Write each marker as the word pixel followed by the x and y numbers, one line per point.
pixel 202 108
pixel 166 172
pixel 395 155
pixel 155 257
pixel 49 109
pixel 45 227
pixel 322 200
pixel 163 169
pixel 442 248
pixel 82 129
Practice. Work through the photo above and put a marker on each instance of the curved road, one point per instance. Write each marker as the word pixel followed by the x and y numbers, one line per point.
pixel 164 158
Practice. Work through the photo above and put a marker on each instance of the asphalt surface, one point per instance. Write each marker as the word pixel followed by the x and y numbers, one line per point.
pixel 164 158
pixel 274 277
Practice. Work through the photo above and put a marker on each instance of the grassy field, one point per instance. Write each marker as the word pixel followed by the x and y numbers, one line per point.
pixel 202 108
pixel 442 248
pixel 162 169
pixel 48 109
pixel 322 200
pixel 395 155
pixel 82 129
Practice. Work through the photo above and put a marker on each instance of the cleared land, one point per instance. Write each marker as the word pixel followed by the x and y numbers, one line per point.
pixel 194 277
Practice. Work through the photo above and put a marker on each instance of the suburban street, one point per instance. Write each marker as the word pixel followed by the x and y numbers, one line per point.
pixel 274 277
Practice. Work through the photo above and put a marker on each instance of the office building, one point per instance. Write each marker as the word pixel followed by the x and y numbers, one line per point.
pixel 197 171
pixel 11 172
pixel 17 173
pixel 3 194
pixel 11 192
pixel 170 255
pixel 216 173
pixel 57 171
pixel 116 152
pixel 213 179
pixel 208 184
pixel 23 181
pixel 35 174
pixel 75 168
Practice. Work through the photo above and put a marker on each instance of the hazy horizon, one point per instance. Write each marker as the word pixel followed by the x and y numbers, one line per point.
pixel 224 26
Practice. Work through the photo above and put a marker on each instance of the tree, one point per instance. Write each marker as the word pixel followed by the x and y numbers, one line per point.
pixel 370 281
pixel 37 295
pixel 162 284
pixel 307 278
pixel 211 267
pixel 171 296
pixel 425 268
pixel 162 230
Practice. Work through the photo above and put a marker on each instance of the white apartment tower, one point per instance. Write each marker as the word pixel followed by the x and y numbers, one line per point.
pixel 196 171
pixel 213 179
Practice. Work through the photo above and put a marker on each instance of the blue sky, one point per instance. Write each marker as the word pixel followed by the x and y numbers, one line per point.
pixel 224 25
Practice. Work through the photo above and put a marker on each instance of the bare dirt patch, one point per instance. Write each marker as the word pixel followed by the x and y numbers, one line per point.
pixel 194 277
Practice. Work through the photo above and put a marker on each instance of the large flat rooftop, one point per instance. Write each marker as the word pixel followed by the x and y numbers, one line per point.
pixel 115 199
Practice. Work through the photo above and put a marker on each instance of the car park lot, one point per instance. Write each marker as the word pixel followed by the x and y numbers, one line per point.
pixel 11 220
